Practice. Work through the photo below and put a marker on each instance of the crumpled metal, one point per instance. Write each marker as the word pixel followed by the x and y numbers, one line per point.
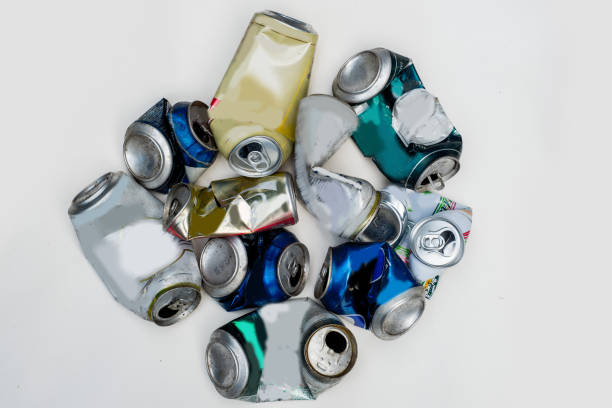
pixel 343 204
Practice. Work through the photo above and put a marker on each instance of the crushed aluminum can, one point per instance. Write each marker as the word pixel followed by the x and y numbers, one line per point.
pixel 150 272
pixel 253 111
pixel 436 231
pixel 252 270
pixel 189 121
pixel 233 206
pixel 168 145
pixel 344 205
pixel 370 284
pixel 402 127
pixel 284 351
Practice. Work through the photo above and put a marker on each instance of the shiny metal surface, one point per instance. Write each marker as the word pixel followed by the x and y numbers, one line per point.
pixel 256 156
pixel 435 175
pixel 148 155
pixel 118 224
pixel 437 242
pixel 177 210
pixel 399 314
pixel 344 205
pixel 223 264
pixel 324 276
pixel 363 76
pixel 292 268
pixel 227 364
pixel 259 94
pixel 388 223
pixel 331 351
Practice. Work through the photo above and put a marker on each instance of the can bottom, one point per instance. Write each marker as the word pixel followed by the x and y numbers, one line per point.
pixel 398 315
pixel 227 364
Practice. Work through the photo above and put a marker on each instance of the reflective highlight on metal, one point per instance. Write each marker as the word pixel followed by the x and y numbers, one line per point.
pixel 344 205
pixel 189 121
pixel 252 270
pixel 437 228
pixel 233 206
pixel 150 151
pixel 150 272
pixel 284 351
pixel 402 127
pixel 389 223
pixel 370 284
pixel 254 109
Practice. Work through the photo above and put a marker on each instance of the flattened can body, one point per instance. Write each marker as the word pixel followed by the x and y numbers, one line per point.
pixel 402 127
pixel 370 284
pixel 233 206
pixel 189 121
pixel 150 151
pixel 285 351
pixel 252 270
pixel 254 109
pixel 150 272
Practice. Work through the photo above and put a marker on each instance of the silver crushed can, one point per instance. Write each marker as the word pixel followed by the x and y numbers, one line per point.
pixel 285 351
pixel 150 272
pixel 344 205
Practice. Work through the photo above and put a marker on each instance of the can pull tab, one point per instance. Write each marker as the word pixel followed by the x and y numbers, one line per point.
pixel 436 181
pixel 438 241
pixel 257 158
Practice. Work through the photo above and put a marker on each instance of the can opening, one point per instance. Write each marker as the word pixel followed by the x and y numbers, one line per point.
pixel 90 194
pixel 324 276
pixel 292 268
pixel 336 341
pixel 256 156
pixel 175 304
pixel 437 173
pixel 437 242
pixel 198 120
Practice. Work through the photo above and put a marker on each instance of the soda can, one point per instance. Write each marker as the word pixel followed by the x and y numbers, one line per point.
pixel 344 205
pixel 370 284
pixel 233 206
pixel 150 272
pixel 254 109
pixel 402 126
pixel 252 270
pixel 150 151
pixel 283 351
pixel 189 122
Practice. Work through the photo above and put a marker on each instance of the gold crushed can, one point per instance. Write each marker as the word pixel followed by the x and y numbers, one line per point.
pixel 254 110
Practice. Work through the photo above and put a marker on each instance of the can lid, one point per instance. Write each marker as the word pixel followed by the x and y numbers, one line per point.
pixel 175 304
pixel 175 209
pixel 256 156
pixel 290 21
pixel 292 268
pixel 148 154
pixel 227 364
pixel 399 314
pixel 197 116
pixel 331 351
pixel 437 242
pixel 388 223
pixel 437 173
pixel 223 265
pixel 92 194
pixel 324 276
pixel 363 76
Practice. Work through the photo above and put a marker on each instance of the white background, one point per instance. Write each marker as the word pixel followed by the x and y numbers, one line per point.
pixel 523 320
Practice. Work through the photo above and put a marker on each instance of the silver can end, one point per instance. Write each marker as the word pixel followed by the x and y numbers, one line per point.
pixel 363 76
pixel 93 192
pixel 292 268
pixel 176 214
pixel 257 156
pixel 437 173
pixel 388 223
pixel 437 242
pixel 198 119
pixel 331 351
pixel 223 264
pixel 399 314
pixel 226 364
pixel 324 276
pixel 147 154
pixel 175 304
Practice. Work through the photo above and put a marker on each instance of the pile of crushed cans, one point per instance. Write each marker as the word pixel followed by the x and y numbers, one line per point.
pixel 228 239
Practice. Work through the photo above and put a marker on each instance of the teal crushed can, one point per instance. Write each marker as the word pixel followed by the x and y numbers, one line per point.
pixel 402 126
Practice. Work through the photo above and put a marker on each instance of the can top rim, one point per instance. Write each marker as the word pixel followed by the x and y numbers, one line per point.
pixel 176 203
pixel 290 21
pixel 416 232
pixel 283 274
pixel 93 192
pixel 351 342
pixel 247 170
pixel 173 304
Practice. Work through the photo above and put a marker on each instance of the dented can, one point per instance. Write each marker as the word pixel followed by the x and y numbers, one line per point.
pixel 402 127
pixel 233 206
pixel 150 272
pixel 168 145
pixel 252 270
pixel 285 351
pixel 254 109
pixel 370 284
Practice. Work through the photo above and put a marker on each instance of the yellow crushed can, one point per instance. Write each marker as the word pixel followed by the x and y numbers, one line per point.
pixel 254 110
